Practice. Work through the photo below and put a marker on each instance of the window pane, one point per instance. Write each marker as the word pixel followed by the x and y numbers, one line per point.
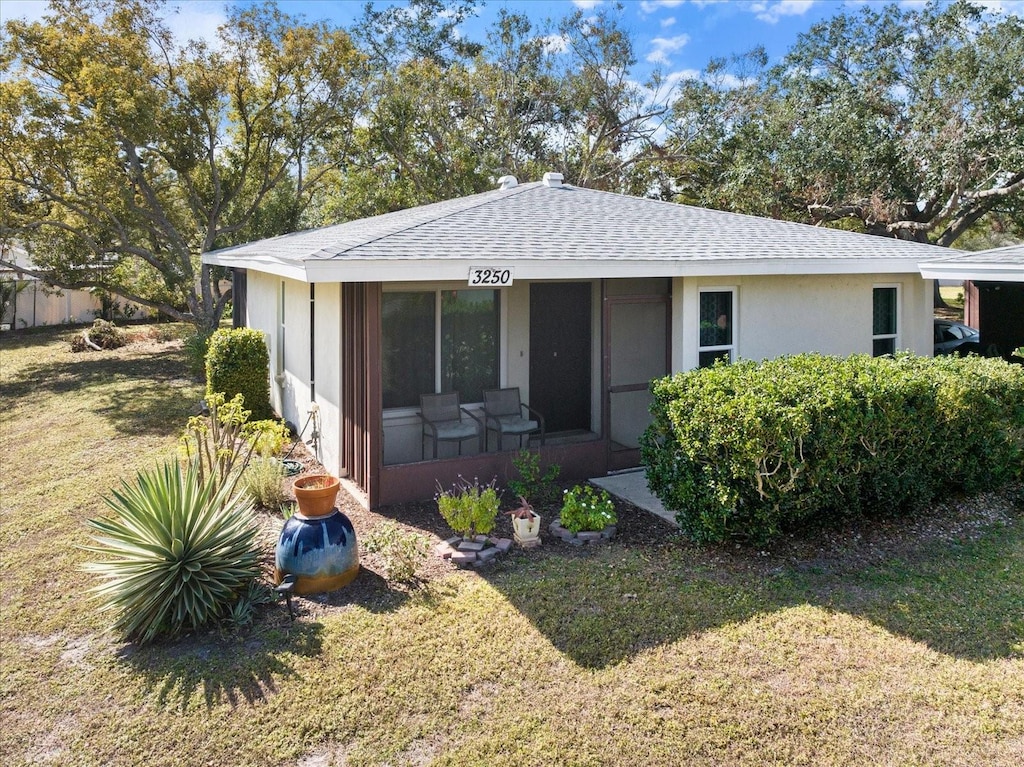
pixel 707 359
pixel 469 342
pixel 407 356
pixel 882 346
pixel 716 318
pixel 884 322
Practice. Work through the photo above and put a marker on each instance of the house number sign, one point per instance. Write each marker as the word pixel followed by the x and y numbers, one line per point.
pixel 493 276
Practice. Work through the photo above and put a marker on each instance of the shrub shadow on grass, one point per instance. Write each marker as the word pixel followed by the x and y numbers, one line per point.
pixel 224 670
pixel 138 394
pixel 603 606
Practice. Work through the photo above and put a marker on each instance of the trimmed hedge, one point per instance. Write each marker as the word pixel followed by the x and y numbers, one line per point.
pixel 237 362
pixel 750 450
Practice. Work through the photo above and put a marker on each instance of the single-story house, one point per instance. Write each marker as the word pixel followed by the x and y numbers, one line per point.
pixel 575 297
pixel 994 303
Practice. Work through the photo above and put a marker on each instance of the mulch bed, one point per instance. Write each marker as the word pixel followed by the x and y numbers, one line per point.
pixel 852 546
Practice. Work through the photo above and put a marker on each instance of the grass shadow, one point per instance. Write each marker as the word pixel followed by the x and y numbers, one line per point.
pixel 225 669
pixel 963 598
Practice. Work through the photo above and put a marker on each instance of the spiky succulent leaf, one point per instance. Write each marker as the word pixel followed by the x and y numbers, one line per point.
pixel 177 553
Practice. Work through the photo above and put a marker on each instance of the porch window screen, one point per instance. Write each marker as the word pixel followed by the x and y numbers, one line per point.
pixel 470 323
pixel 716 327
pixel 884 328
pixel 407 353
pixel 439 341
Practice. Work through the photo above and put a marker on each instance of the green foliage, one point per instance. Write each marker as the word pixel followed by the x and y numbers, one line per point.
pixel 264 481
pixel 221 443
pixel 237 362
pixel 584 509
pixel 469 509
pixel 196 342
pixel 749 450
pixel 177 555
pixel 532 483
pixel 403 551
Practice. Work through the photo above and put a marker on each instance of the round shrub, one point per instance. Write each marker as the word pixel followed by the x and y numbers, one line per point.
pixel 237 362
pixel 749 450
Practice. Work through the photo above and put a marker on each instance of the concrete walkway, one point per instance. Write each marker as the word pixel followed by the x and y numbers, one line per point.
pixel 632 486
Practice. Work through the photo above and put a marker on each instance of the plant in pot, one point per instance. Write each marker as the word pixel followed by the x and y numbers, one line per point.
pixel 316 493
pixel 586 513
pixel 525 524
pixel 469 508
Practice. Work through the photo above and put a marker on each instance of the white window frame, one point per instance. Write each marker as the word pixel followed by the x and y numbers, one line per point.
pixel 895 287
pixel 732 347
pixel 437 289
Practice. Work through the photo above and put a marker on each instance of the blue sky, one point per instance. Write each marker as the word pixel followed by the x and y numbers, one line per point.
pixel 679 36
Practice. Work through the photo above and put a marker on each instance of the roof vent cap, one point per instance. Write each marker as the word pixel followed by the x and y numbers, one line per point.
pixel 507 182
pixel 552 179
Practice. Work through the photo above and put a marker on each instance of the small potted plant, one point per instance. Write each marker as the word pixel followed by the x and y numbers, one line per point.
pixel 525 524
pixel 469 509
pixel 316 493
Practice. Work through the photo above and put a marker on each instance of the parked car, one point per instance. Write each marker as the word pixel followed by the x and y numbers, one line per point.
pixel 955 338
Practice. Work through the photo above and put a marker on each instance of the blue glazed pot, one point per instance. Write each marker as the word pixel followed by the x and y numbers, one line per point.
pixel 320 551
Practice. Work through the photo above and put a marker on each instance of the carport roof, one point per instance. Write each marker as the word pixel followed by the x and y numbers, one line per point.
pixel 557 231
pixel 996 265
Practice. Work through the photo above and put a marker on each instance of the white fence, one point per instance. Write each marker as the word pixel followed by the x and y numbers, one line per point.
pixel 33 307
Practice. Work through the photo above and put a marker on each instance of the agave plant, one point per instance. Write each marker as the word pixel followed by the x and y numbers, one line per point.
pixel 178 554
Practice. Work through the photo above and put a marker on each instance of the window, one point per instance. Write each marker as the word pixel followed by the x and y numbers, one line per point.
pixel 717 320
pixel 884 323
pixel 439 341
pixel 281 335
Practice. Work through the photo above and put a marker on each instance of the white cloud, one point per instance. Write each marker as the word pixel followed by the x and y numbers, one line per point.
pixel 666 23
pixel 555 44
pixel 586 5
pixel 195 21
pixel 651 6
pixel 1009 7
pixel 664 46
pixel 771 12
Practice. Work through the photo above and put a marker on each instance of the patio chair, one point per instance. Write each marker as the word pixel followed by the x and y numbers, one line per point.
pixel 505 413
pixel 442 419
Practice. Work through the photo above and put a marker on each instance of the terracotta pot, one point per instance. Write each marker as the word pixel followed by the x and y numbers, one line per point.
pixel 316 493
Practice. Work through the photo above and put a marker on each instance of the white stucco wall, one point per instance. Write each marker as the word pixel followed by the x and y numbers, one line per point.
pixel 778 315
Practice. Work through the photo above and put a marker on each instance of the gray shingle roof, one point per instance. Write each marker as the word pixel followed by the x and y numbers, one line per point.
pixel 997 264
pixel 533 223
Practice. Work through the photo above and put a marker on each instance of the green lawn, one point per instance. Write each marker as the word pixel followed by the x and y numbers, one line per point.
pixel 905 648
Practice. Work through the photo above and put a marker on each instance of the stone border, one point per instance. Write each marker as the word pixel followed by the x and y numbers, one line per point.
pixel 585 537
pixel 475 553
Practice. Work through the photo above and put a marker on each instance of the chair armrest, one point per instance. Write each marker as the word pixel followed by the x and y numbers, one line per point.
pixel 472 415
pixel 537 416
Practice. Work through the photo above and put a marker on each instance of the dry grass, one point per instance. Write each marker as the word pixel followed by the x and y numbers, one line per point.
pixel 902 647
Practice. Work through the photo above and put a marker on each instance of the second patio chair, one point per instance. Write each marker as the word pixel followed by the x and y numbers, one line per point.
pixel 505 413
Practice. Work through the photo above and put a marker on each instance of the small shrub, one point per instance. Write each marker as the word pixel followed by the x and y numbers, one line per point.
pixel 237 362
pixel 264 481
pixel 403 551
pixel 469 509
pixel 221 443
pixel 195 343
pixel 532 482
pixel 178 554
pixel 584 509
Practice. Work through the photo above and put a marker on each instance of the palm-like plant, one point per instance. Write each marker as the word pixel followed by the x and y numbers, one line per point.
pixel 178 554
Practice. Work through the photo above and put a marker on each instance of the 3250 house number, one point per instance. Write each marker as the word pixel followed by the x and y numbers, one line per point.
pixel 490 276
